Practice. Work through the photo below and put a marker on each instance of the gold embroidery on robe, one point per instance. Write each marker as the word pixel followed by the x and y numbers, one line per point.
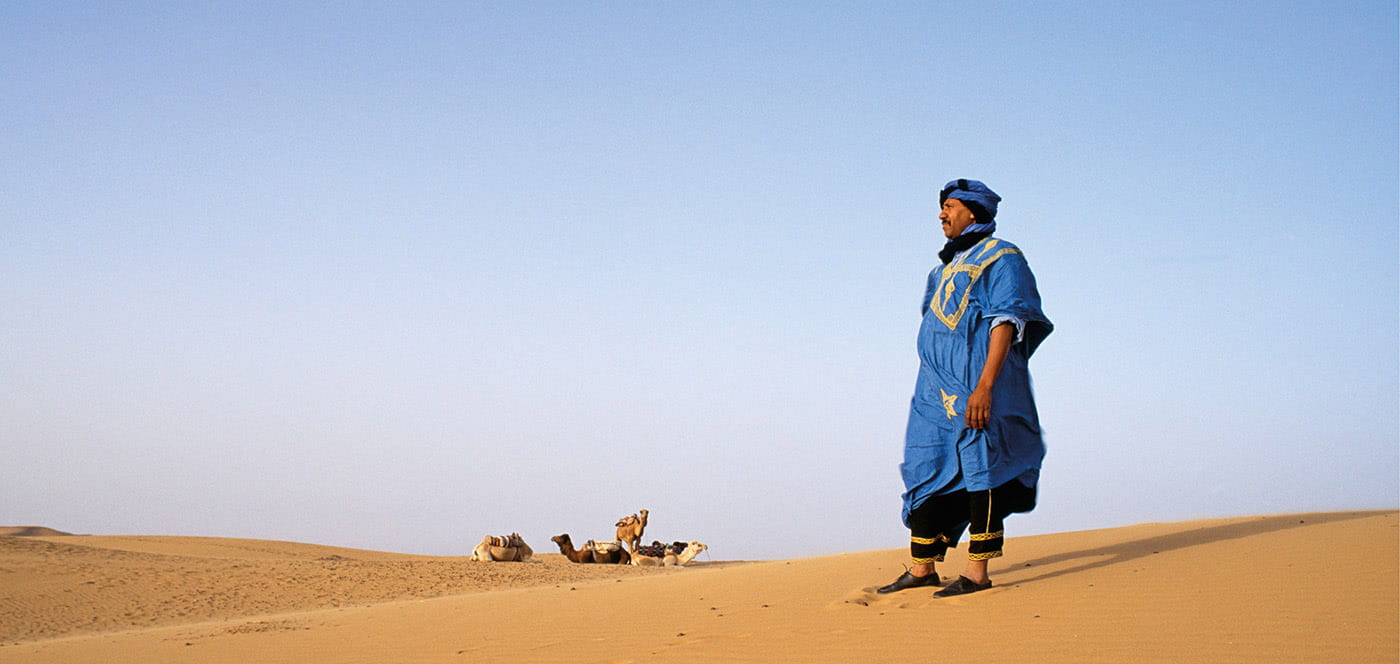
pixel 949 282
pixel 948 400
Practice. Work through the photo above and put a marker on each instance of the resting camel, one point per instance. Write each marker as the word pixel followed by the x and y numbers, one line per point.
pixel 507 548
pixel 629 529
pixel 592 552
pixel 608 553
pixel 523 550
pixel 673 555
pixel 691 550
pixel 650 555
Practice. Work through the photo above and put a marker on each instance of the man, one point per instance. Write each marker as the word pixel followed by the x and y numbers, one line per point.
pixel 973 446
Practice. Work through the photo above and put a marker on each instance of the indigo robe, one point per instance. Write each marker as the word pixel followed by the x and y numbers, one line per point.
pixel 988 283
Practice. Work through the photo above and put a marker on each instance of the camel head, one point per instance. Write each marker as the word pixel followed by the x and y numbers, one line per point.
pixel 562 540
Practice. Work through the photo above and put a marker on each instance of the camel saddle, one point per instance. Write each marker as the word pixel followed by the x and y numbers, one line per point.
pixel 602 546
pixel 653 550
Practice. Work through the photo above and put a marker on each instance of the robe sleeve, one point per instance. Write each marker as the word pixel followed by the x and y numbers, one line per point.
pixel 1012 294
pixel 928 290
pixel 1020 325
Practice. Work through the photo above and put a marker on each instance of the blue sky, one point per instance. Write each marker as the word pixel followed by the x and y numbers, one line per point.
pixel 396 276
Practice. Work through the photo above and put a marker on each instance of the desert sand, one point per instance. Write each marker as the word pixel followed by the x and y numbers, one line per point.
pixel 1283 588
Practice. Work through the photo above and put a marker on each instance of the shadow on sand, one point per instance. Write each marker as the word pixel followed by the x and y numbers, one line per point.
pixel 1122 552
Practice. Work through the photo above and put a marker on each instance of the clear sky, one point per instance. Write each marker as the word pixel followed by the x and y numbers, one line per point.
pixel 398 275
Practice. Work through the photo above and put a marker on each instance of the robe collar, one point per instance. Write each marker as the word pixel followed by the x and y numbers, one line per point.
pixel 959 244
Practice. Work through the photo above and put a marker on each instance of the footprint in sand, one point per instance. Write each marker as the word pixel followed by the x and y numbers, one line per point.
pixel 868 597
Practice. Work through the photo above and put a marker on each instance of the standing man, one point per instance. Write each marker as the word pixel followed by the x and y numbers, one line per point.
pixel 973 446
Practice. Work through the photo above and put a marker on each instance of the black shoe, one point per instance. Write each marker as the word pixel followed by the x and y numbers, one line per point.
pixel 963 586
pixel 907 581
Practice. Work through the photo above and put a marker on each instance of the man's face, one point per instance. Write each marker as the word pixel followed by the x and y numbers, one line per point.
pixel 955 217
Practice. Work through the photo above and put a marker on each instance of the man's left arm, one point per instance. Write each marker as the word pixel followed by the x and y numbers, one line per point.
pixel 979 403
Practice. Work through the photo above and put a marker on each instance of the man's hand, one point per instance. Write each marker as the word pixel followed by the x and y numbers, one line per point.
pixel 979 408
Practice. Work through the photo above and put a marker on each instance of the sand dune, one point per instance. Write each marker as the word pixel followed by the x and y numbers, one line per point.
pixel 83 584
pixel 1288 588
pixel 30 531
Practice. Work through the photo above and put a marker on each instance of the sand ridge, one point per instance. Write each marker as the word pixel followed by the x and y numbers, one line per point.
pixel 1227 590
pixel 30 531
pixel 59 586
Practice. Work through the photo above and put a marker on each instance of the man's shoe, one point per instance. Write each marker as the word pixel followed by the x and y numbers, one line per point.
pixel 962 586
pixel 907 581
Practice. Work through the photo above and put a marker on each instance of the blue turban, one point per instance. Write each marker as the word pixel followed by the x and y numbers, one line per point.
pixel 977 197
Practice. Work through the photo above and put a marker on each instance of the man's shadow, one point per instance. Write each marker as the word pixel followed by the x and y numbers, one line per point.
pixel 1121 552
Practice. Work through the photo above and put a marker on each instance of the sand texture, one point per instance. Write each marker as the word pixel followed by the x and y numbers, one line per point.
pixel 1285 588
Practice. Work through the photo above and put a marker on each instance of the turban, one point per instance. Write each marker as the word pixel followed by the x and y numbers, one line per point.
pixel 977 197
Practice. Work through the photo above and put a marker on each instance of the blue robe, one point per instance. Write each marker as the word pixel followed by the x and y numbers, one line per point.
pixel 941 455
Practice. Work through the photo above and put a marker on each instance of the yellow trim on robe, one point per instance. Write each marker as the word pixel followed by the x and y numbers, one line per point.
pixel 984 556
pixel 947 283
pixel 982 537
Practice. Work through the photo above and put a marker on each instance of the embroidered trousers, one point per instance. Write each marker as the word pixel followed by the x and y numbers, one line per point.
pixel 938 523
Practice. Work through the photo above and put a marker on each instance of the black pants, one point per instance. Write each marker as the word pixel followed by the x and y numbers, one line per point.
pixel 938 523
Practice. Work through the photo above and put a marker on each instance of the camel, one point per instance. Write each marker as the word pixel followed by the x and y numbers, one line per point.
pixel 592 552
pixel 679 560
pixel 507 548
pixel 643 560
pixel 494 548
pixel 608 553
pixel 650 555
pixel 566 547
pixel 676 554
pixel 630 528
pixel 523 551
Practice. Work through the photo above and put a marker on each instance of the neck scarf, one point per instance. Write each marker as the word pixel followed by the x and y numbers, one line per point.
pixel 959 244
pixel 979 227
